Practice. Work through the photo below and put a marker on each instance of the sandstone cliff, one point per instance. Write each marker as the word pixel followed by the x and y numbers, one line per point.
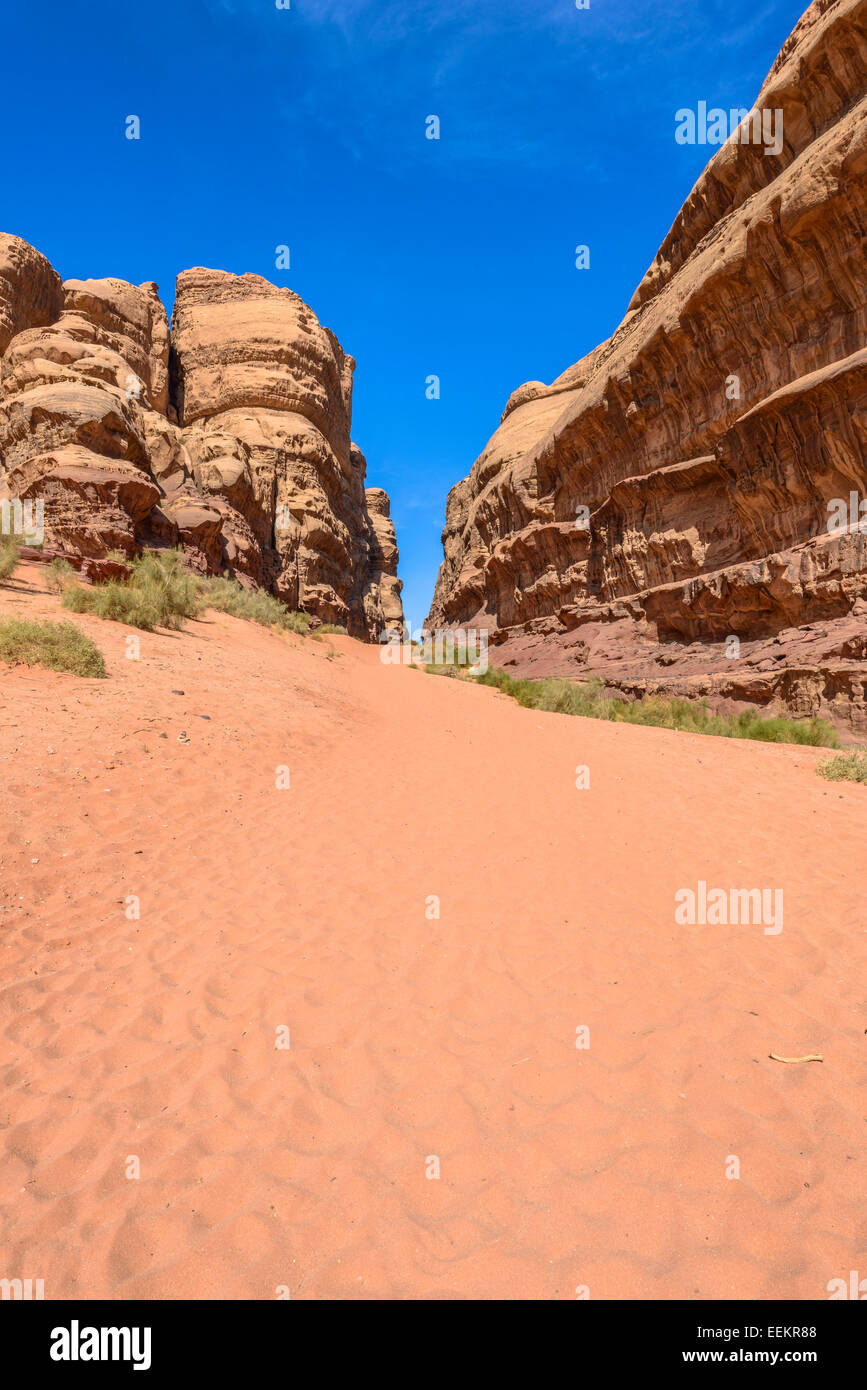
pixel 228 435
pixel 706 438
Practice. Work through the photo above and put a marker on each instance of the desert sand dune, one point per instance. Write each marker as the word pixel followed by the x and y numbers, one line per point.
pixel 412 1038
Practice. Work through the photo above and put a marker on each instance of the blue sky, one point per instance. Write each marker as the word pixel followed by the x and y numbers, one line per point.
pixel 306 127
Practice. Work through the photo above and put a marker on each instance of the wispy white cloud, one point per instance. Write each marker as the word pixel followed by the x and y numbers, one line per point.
pixel 505 78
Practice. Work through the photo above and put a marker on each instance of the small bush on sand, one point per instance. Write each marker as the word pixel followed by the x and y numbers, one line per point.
pixel 59 646
pixel 443 659
pixel 159 593
pixel 849 767
pixel 589 701
pixel 162 593
pixel 58 574
pixel 451 670
pixel 116 602
pixel 332 630
pixel 451 664
pixel 8 556
pixel 257 606
pixel 163 581
pixel 298 623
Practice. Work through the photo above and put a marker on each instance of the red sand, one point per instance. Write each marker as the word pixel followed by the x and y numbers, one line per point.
pixel 561 1168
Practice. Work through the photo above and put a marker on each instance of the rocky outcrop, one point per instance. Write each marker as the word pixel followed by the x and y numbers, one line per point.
pixel 31 294
pixel 228 435
pixel 383 587
pixel 671 491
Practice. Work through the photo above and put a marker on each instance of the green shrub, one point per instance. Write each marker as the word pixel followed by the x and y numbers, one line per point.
pixel 164 582
pixel 331 630
pixel 589 701
pixel 8 556
pixel 555 696
pixel 451 663
pixel 59 646
pixel 162 593
pixel 114 601
pixel 257 606
pixel 299 623
pixel 58 574
pixel 849 767
pixel 453 672
pixel 159 593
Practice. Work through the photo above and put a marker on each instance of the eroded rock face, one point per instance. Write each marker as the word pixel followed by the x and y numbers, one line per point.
pixel 31 294
pixel 229 435
pixel 706 438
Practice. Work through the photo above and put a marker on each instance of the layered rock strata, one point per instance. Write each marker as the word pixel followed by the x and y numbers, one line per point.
pixel 228 435
pixel 676 488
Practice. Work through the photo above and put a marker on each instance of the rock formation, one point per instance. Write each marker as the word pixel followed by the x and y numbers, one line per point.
pixel 229 436
pixel 706 439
